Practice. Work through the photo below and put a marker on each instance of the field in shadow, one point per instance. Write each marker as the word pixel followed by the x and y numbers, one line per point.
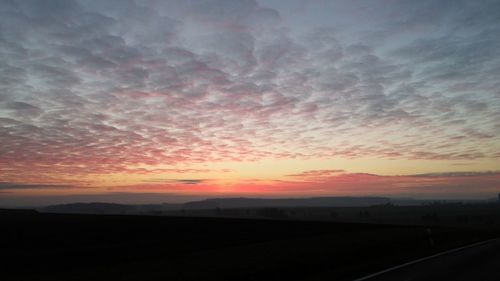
pixel 42 246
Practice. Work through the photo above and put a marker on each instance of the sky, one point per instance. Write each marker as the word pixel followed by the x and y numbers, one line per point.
pixel 159 101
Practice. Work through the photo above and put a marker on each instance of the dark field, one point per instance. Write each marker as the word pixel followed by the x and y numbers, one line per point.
pixel 38 246
pixel 459 215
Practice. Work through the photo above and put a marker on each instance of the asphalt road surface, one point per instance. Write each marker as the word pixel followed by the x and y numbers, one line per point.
pixel 480 262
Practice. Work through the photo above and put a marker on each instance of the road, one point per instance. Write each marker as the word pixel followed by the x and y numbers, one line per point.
pixel 480 262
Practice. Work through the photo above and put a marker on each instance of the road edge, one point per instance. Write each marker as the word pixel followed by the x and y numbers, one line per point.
pixel 426 258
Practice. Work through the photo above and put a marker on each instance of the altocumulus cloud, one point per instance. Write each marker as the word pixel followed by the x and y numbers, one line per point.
pixel 100 86
pixel 181 181
pixel 12 185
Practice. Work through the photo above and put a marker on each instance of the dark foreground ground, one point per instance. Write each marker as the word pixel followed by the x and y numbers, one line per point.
pixel 481 261
pixel 37 246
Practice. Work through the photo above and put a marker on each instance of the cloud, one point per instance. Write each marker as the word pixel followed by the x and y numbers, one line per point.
pixel 180 181
pixel 98 88
pixel 459 174
pixel 189 181
pixel 316 173
pixel 12 185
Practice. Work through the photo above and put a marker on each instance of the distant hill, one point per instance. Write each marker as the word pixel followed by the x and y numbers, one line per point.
pixel 91 208
pixel 107 208
pixel 111 208
pixel 17 213
pixel 286 202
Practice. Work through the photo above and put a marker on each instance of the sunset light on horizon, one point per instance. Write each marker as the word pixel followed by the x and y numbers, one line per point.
pixel 165 101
